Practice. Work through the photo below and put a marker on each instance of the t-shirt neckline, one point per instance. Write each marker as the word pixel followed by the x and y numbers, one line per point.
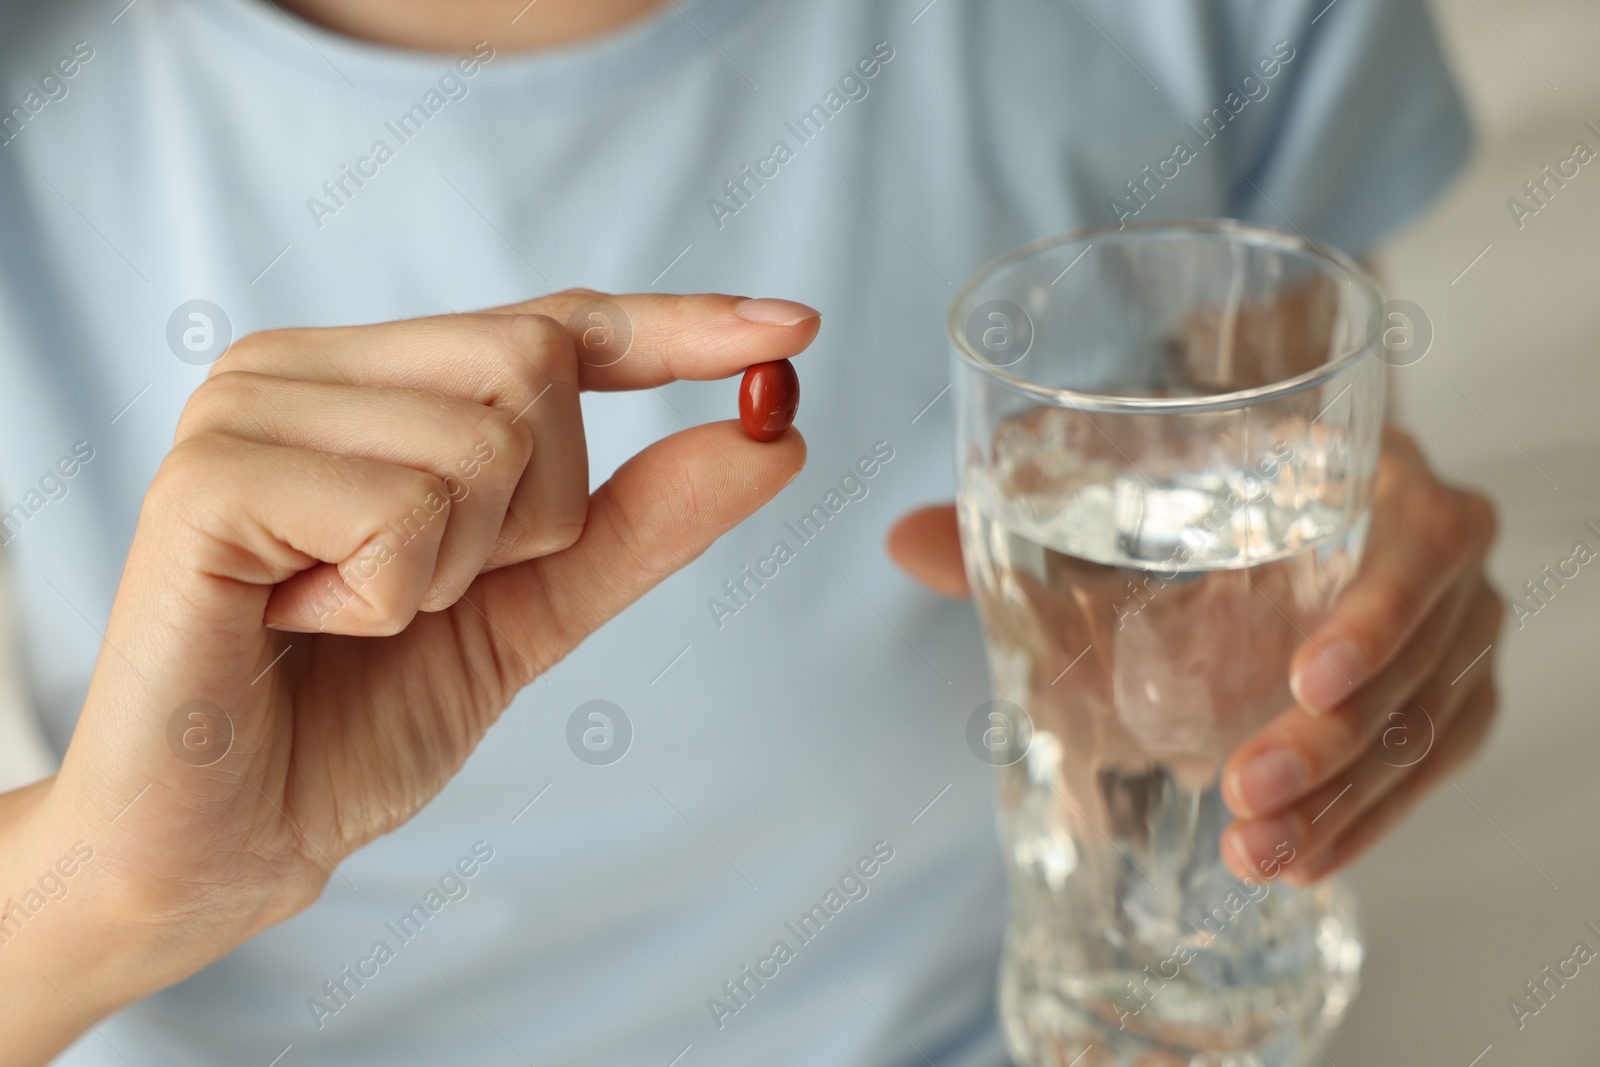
pixel 562 75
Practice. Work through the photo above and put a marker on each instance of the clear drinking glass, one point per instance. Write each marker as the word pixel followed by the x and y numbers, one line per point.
pixel 1167 437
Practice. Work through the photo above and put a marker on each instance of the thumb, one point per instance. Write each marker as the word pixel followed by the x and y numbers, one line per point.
pixel 927 546
pixel 656 514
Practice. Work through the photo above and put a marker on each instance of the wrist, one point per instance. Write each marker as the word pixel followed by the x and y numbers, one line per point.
pixel 70 954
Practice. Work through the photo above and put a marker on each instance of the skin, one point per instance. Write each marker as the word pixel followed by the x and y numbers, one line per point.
pixel 1393 692
pixel 1419 614
pixel 276 514
pixel 509 25
pixel 267 521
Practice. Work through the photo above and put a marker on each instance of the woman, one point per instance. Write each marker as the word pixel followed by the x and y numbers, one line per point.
pixel 179 175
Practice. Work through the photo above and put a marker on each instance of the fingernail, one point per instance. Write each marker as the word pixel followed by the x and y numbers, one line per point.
pixel 1265 844
pixel 1270 780
pixel 769 312
pixel 284 627
pixel 1329 677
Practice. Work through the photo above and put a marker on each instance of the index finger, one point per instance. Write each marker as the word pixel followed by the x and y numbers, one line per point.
pixel 642 340
pixel 505 357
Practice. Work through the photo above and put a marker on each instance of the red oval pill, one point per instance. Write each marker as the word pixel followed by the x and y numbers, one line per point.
pixel 768 398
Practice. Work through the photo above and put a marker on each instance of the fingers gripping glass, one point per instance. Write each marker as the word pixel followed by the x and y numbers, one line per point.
pixel 1166 441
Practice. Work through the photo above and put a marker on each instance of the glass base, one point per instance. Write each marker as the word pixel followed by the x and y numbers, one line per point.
pixel 1044 1028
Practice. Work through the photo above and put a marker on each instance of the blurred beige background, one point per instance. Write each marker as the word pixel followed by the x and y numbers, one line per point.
pixel 1492 879
pixel 1458 917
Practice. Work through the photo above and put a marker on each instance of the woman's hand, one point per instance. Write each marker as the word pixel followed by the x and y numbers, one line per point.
pixel 1395 690
pixel 364 542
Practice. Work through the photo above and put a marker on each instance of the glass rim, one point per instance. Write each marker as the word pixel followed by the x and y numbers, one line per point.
pixel 1260 236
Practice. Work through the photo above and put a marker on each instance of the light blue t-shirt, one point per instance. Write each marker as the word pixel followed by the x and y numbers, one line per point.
pixel 864 156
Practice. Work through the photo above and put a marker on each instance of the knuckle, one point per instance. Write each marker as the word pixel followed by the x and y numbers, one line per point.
pixel 251 350
pixel 185 487
pixel 529 352
pixel 561 536
pixel 529 338
pixel 1349 728
pixel 190 464
pixel 1401 456
pixel 388 621
pixel 1402 440
pixel 378 615
pixel 1392 604
pixel 414 489
pixel 414 506
pixel 367 609
pixel 216 403
pixel 500 445
pixel 554 527
pixel 1441 521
